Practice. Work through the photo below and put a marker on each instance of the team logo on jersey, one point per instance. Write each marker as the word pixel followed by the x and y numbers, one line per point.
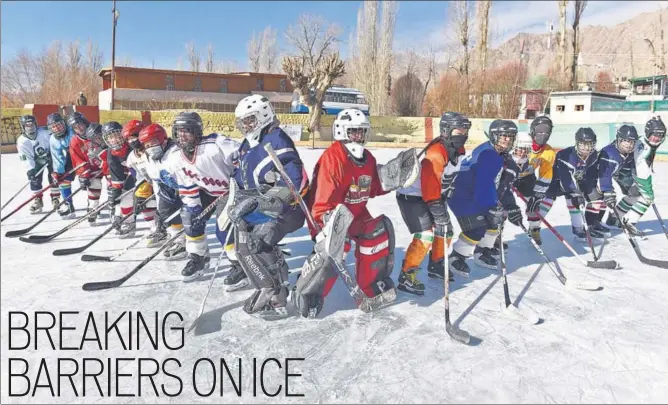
pixel 168 179
pixel 208 181
pixel 359 191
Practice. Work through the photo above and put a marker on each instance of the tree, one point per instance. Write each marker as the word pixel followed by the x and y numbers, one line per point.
pixel 561 59
pixel 315 65
pixel 407 95
pixel 579 8
pixel 263 51
pixel 209 65
pixel 604 83
pixel 194 59
pixel 483 23
pixel 254 47
pixel 371 50
pixel 462 18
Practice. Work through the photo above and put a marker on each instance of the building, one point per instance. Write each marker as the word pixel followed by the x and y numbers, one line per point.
pixel 532 102
pixel 159 89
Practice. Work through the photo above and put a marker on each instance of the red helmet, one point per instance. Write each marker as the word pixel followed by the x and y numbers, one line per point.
pixel 153 135
pixel 132 128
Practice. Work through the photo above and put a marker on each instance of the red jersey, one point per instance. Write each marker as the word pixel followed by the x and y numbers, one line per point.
pixel 79 150
pixel 337 179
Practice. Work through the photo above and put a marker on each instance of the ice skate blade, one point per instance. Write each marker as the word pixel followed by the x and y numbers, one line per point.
pixel 273 315
pixel 460 273
pixel 238 286
pixel 409 290
pixel 484 265
pixel 194 276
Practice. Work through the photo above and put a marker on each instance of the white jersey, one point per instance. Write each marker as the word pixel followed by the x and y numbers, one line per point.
pixel 163 169
pixel 641 155
pixel 209 170
pixel 34 153
pixel 138 165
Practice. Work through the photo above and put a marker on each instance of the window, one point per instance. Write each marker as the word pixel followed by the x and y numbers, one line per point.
pixel 579 107
pixel 560 108
pixel 169 83
pixel 283 85
pixel 198 84
pixel 223 85
pixel 259 84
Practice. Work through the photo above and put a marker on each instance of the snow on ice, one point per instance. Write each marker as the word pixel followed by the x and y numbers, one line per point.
pixel 604 346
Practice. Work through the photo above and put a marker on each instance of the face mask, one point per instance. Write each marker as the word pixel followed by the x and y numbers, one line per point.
pixel 154 152
pixel 541 134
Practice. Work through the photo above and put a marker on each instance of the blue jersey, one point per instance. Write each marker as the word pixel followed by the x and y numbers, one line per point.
pixel 508 176
pixel 255 163
pixel 60 152
pixel 569 165
pixel 612 164
pixel 475 187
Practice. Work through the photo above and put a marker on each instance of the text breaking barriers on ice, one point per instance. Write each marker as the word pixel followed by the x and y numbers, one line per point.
pixel 134 354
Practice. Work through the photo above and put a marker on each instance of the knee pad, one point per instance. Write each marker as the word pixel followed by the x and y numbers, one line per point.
pixel 264 265
pixel 374 253
pixel 144 191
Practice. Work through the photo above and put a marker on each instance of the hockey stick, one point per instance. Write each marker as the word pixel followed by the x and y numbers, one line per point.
pixel 583 214
pixel 71 251
pixel 658 216
pixel 603 264
pixel 47 238
pixel 509 308
pixel 363 302
pixel 456 333
pixel 24 186
pixel 658 263
pixel 94 258
pixel 580 285
pixel 39 194
pixel 103 285
pixel 19 232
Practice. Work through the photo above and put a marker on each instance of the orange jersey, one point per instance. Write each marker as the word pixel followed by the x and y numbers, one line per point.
pixel 431 170
pixel 337 179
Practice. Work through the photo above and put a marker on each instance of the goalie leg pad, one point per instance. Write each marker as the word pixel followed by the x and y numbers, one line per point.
pixel 402 171
pixel 374 253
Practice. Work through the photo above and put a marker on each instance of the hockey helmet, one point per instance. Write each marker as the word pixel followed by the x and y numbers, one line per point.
pixel 187 131
pixel 502 134
pixel 29 126
pixel 112 133
pixel 56 125
pixel 522 148
pixel 353 129
pixel 585 141
pixel 253 117
pixel 131 133
pixel 451 121
pixel 655 132
pixel 78 123
pixel 541 129
pixel 626 138
pixel 153 139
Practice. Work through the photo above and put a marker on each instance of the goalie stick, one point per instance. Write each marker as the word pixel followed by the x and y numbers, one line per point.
pixel 104 285
pixel 658 263
pixel 601 264
pixel 363 302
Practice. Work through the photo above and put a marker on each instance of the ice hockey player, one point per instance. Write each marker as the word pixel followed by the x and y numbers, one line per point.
pixel 423 208
pixel 263 211
pixel 541 158
pixel 123 180
pixel 636 185
pixel 35 153
pixel 156 152
pixel 61 137
pixel 89 148
pixel 347 176
pixel 579 163
pixel 475 201
pixel 203 170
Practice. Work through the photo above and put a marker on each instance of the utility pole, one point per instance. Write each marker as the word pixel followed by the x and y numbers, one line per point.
pixel 651 45
pixel 113 52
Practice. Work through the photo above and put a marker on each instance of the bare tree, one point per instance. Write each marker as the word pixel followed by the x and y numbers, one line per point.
pixel 371 50
pixel 561 42
pixel 227 66
pixel 431 72
pixel 194 59
pixel 579 8
pixel 663 43
pixel 254 52
pixel 269 50
pixel 209 64
pixel 482 15
pixel 462 19
pixel 316 64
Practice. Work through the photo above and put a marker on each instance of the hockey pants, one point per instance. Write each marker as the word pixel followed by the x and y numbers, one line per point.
pixel 475 231
pixel 36 183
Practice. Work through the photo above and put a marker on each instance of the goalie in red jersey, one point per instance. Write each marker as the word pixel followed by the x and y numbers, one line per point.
pixel 346 176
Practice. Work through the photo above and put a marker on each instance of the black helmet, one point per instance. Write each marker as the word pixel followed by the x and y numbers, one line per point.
pixel 585 141
pixel 655 127
pixel 75 121
pixel 499 128
pixel 627 136
pixel 29 126
pixel 191 122
pixel 449 122
pixel 56 125
pixel 93 132
pixel 541 129
pixel 112 133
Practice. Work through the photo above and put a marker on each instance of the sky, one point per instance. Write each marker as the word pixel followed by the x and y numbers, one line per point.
pixel 154 33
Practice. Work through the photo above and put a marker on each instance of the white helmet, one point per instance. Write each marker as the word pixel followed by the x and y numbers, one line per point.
pixel 252 115
pixel 522 148
pixel 343 129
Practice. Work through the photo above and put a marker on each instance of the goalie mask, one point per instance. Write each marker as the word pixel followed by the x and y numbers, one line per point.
pixel 353 129
pixel 254 117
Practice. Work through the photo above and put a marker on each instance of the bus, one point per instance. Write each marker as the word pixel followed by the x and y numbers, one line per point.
pixel 336 99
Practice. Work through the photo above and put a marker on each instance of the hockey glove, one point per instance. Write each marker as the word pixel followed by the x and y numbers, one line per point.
pixel 495 216
pixel 441 217
pixel 515 216
pixel 610 198
pixel 533 203
pixel 577 200
pixel 84 182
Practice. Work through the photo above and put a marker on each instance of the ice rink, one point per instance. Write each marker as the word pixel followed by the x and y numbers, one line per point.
pixel 607 346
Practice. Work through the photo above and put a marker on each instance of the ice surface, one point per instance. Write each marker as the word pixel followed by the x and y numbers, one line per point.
pixel 607 346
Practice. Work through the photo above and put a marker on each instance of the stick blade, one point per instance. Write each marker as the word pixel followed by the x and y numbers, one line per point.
pixel 37 239
pixel 101 285
pixel 457 334
pixel 70 251
pixel 18 232
pixel 604 264
pixel 94 258
pixel 521 314
pixel 652 262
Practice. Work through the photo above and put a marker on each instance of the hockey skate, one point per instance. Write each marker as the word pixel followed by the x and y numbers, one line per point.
pixel 602 229
pixel 127 230
pixel 157 237
pixel 195 266
pixel 55 201
pixel 176 251
pixel 633 230
pixel 66 210
pixel 579 234
pixel 436 270
pixel 483 257
pixel 409 282
pixel 236 279
pixel 613 222
pixel 594 233
pixel 37 205
pixel 496 252
pixel 535 235
pixel 92 219
pixel 458 264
